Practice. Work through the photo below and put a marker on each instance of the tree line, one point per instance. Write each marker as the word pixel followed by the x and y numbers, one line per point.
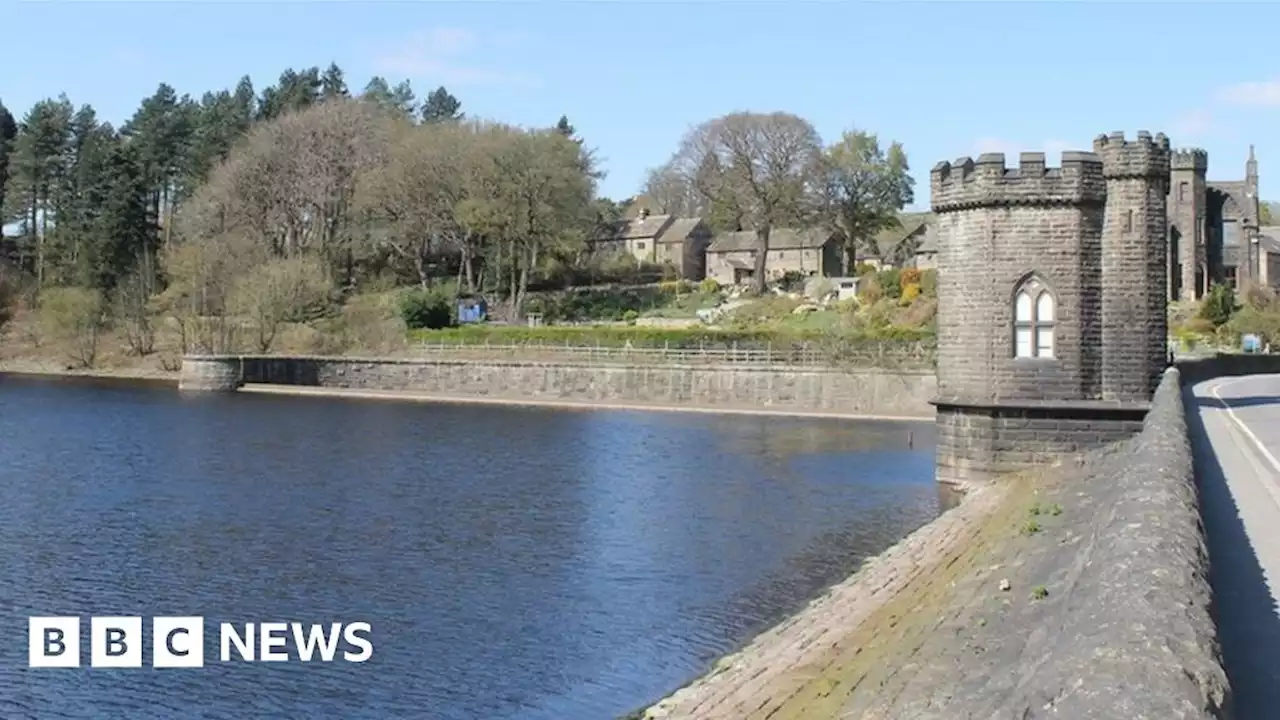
pixel 763 171
pixel 271 205
pixel 92 203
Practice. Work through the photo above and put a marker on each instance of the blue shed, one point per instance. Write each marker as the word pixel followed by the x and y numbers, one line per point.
pixel 472 310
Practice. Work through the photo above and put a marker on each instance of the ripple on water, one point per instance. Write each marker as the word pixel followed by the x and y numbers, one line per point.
pixel 514 562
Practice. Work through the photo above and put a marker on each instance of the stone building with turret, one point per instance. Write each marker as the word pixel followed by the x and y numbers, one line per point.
pixel 1214 234
pixel 1052 288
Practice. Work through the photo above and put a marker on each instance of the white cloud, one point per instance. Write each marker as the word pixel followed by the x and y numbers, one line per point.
pixel 1252 94
pixel 1011 148
pixel 441 55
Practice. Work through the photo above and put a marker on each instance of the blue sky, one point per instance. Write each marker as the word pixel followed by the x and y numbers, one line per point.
pixel 947 79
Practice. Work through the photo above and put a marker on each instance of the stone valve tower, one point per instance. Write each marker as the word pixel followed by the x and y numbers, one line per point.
pixel 1052 283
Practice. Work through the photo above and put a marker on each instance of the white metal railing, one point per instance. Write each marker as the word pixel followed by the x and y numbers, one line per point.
pixel 889 353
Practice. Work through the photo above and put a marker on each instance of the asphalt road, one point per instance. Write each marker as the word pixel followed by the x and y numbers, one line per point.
pixel 1235 430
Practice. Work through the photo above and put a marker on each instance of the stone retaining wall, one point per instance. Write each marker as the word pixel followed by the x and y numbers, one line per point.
pixel 1101 611
pixel 1136 637
pixel 763 387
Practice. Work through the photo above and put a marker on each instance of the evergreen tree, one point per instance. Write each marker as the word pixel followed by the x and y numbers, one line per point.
pixel 162 132
pixel 125 227
pixel 399 98
pixel 564 128
pixel 8 133
pixel 37 166
pixel 82 194
pixel 295 91
pixel 441 106
pixel 332 84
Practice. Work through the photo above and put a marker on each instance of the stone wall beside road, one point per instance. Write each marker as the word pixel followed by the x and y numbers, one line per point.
pixel 1079 591
pixel 801 389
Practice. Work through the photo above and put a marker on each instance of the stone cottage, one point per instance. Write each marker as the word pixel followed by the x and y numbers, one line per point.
pixel 731 256
pixel 662 239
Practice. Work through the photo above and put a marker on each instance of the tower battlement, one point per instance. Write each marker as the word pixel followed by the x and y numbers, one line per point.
pixel 987 182
pixel 1143 157
pixel 1189 159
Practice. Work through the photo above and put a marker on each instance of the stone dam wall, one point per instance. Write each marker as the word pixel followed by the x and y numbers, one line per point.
pixel 743 387
pixel 1131 634
pixel 1102 612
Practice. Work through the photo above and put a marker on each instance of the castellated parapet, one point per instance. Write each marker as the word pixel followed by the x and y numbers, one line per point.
pixel 1190 159
pixel 1048 334
pixel 1145 156
pixel 966 184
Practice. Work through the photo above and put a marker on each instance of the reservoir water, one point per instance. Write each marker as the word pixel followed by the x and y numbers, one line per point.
pixel 514 563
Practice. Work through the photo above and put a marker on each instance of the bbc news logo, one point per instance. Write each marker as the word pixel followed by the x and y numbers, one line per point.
pixel 178 642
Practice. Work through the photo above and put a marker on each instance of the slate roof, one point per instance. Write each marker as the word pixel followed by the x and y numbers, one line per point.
pixel 779 239
pixel 887 241
pixel 1269 238
pixel 639 228
pixel 679 230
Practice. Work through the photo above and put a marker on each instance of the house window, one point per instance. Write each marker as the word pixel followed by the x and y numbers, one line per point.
pixel 1182 192
pixel 781 255
pixel 1033 316
pixel 639 246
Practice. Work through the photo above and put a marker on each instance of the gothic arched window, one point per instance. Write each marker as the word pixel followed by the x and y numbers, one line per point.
pixel 1034 312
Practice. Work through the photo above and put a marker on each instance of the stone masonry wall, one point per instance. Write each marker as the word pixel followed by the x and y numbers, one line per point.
pixel 788 389
pixel 975 444
pixel 998 227
pixel 1134 264
pixel 1133 635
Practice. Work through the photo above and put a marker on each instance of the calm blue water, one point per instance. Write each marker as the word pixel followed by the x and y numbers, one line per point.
pixel 513 562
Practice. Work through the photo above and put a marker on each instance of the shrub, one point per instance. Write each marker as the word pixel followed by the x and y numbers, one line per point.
pixel 426 308
pixel 890 282
pixel 280 291
pixel 75 316
pixel 929 282
pixel 910 292
pixel 370 324
pixel 870 290
pixel 863 268
pixel 910 276
pixel 709 286
pixel 630 316
pixel 1219 305
pixel 8 295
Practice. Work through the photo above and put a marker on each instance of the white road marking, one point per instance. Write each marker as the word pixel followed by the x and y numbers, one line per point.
pixel 1244 430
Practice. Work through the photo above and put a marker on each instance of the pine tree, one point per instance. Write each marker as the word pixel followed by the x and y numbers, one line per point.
pixel 441 106
pixel 332 84
pixel 124 224
pixel 8 133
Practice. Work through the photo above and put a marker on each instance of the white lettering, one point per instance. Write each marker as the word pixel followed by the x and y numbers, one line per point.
pixel 352 635
pixel 243 645
pixel 272 640
pixel 316 637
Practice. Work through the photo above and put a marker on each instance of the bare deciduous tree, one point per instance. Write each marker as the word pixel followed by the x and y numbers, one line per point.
pixel 763 168
pixel 289 185
pixel 414 201
pixel 276 292
pixel 531 194
pixel 672 192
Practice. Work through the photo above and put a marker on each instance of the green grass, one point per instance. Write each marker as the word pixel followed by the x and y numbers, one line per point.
pixel 685 306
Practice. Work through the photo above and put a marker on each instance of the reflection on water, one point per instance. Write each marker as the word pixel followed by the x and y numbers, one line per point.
pixel 513 562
